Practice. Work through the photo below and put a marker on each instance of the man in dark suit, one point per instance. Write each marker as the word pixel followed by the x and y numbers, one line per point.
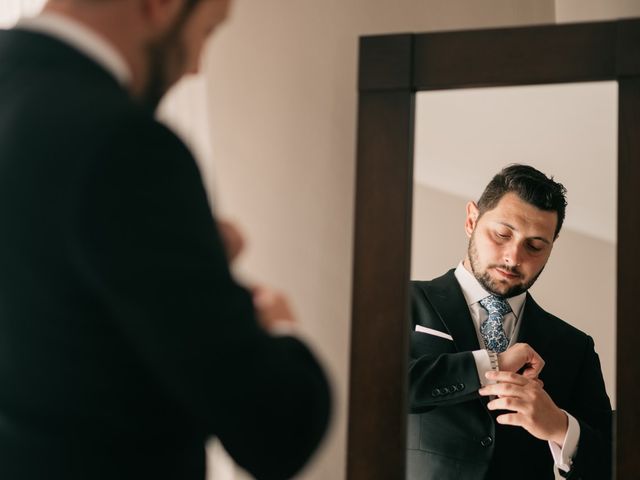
pixel 124 340
pixel 500 388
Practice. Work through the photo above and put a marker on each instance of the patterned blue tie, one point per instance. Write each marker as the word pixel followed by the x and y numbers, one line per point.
pixel 491 329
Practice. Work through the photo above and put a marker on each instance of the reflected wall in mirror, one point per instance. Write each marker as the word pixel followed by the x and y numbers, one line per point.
pixel 569 131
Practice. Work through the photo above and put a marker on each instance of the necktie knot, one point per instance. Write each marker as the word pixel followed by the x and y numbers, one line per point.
pixel 491 329
pixel 494 304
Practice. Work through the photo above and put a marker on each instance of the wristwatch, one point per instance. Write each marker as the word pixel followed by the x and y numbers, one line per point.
pixel 493 359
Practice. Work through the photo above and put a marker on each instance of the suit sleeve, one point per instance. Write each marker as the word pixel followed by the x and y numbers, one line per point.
pixel 438 374
pixel 148 244
pixel 592 408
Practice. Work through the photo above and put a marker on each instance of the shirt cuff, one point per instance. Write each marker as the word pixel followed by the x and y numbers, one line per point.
pixel 563 456
pixel 483 365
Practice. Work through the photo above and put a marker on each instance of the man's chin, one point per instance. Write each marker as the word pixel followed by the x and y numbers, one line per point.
pixel 505 288
pixel 513 290
pixel 501 291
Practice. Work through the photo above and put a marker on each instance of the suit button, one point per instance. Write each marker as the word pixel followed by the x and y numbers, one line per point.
pixel 445 390
pixel 435 392
pixel 453 388
pixel 486 441
pixel 461 386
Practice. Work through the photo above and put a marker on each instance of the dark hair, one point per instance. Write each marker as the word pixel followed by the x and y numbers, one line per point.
pixel 531 186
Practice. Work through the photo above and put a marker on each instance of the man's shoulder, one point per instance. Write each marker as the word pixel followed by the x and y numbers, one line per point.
pixel 447 280
pixel 74 98
pixel 42 71
pixel 559 327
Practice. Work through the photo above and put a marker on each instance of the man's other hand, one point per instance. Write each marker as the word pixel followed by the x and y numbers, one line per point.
pixel 273 309
pixel 521 358
pixel 530 406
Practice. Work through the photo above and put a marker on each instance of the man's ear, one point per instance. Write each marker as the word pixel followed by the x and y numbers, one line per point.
pixel 160 15
pixel 473 213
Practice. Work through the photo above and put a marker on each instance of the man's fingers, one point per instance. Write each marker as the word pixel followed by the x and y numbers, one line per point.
pixel 271 306
pixel 514 419
pixel 520 358
pixel 535 363
pixel 506 403
pixel 507 377
pixel 529 373
pixel 502 390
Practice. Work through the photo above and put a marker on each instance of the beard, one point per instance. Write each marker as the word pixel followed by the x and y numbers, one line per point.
pixel 166 59
pixel 490 284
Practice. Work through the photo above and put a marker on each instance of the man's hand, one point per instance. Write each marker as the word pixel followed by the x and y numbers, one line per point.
pixel 521 356
pixel 232 239
pixel 272 308
pixel 532 407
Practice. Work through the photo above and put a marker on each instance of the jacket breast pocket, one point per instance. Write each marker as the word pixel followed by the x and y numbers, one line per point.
pixel 430 342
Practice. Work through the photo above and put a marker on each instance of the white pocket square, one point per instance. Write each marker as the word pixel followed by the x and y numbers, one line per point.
pixel 431 331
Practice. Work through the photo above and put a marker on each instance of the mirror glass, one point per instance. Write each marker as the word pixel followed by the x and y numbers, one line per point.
pixel 464 137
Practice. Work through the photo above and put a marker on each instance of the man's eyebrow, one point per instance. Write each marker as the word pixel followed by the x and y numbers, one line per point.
pixel 542 239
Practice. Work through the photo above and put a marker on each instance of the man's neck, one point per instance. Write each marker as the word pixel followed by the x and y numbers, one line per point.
pixel 115 28
pixel 467 265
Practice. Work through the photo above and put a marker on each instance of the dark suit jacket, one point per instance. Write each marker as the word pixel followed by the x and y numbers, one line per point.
pixel 452 435
pixel 124 340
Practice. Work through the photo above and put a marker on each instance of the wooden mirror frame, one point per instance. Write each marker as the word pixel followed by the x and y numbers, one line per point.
pixel 392 68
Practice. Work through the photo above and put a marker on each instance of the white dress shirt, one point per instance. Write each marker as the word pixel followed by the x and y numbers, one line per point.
pixel 474 292
pixel 83 39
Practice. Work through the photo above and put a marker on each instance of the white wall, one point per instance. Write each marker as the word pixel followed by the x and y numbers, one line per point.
pixel 282 98
pixel 569 131
pixel 593 10
pixel 281 77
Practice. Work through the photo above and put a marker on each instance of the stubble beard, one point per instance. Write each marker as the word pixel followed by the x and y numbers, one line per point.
pixel 160 55
pixel 491 285
pixel 166 58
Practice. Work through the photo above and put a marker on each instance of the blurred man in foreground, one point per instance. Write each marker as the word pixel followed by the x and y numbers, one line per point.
pixel 124 340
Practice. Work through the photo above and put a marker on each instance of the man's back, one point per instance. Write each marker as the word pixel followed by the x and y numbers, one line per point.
pixel 124 342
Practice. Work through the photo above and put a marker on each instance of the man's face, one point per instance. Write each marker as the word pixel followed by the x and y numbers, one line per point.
pixel 178 51
pixel 509 245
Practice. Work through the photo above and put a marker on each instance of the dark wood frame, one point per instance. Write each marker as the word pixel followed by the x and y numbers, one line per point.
pixel 392 68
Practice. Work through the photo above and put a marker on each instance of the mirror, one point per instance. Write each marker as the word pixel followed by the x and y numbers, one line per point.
pixel 392 70
pixel 464 137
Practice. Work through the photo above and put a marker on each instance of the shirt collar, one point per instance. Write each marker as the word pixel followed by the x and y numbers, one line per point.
pixel 83 39
pixel 474 292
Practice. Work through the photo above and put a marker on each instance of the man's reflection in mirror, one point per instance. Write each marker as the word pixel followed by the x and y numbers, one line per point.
pixel 499 387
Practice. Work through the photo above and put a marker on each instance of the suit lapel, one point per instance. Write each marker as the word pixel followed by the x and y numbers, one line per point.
pixel 532 329
pixel 445 295
pixel 447 299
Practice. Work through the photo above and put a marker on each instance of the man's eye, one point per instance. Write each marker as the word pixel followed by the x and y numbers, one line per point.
pixel 534 248
pixel 502 235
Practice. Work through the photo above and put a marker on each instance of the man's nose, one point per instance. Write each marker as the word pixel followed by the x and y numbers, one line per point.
pixel 513 254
